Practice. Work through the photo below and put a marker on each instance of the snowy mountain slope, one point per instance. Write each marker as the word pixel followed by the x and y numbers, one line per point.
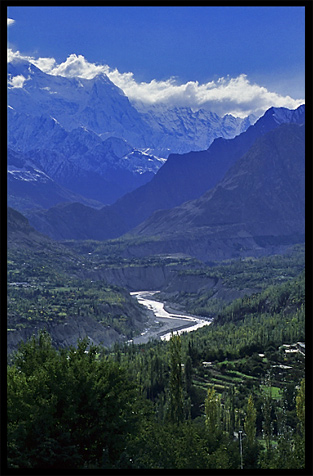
pixel 89 138
pixel 84 147
pixel 96 104
pixel 31 188
pixel 80 158
pixel 193 130
pixel 100 106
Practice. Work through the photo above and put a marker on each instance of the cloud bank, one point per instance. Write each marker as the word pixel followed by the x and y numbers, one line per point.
pixel 236 96
pixel 10 21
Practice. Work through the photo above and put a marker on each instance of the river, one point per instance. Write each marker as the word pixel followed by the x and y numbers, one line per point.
pixel 162 323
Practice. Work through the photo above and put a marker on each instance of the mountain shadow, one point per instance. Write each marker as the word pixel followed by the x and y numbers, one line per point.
pixel 257 208
pixel 182 178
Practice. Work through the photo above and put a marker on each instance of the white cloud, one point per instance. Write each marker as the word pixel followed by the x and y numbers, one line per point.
pixel 45 64
pixel 237 96
pixel 13 55
pixel 78 66
pixel 17 81
pixel 10 21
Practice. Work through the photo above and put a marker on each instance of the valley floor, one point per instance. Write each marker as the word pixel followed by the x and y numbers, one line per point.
pixel 164 320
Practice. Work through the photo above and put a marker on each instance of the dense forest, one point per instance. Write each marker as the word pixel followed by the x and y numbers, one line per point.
pixel 230 395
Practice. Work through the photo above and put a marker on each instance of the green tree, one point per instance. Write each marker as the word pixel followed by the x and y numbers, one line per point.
pixel 250 422
pixel 188 374
pixel 290 450
pixel 300 405
pixel 176 402
pixel 299 440
pixel 250 445
pixel 267 413
pixel 70 408
pixel 229 412
pixel 212 406
pixel 285 440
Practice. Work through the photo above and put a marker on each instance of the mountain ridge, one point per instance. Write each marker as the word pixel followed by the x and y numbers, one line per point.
pixel 261 199
pixel 67 125
pixel 103 108
pixel 181 178
pixel 112 166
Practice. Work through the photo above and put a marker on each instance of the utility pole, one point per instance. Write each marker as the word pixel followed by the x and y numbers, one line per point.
pixel 240 445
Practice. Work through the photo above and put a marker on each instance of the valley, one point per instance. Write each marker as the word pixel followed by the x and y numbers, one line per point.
pixel 86 289
pixel 253 314
pixel 156 281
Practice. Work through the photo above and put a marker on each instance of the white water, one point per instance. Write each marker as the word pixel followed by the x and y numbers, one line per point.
pixel 168 321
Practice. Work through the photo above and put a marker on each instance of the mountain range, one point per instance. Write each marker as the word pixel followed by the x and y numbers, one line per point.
pixel 79 160
pixel 182 178
pixel 90 139
pixel 100 106
pixel 84 162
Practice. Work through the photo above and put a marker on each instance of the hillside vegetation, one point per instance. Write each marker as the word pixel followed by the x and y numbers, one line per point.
pixel 177 404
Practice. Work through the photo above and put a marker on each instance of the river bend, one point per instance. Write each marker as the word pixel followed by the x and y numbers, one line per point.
pixel 162 323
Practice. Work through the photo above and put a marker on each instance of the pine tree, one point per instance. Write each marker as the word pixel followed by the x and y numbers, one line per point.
pixel 65 407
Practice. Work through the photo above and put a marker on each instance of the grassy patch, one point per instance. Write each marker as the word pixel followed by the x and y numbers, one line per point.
pixel 240 374
pixel 275 392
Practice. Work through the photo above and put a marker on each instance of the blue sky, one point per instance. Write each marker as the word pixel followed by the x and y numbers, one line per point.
pixel 264 45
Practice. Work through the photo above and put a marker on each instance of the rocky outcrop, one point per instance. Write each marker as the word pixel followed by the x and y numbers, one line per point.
pixel 135 278
pixel 67 333
pixel 190 283
pixel 169 279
